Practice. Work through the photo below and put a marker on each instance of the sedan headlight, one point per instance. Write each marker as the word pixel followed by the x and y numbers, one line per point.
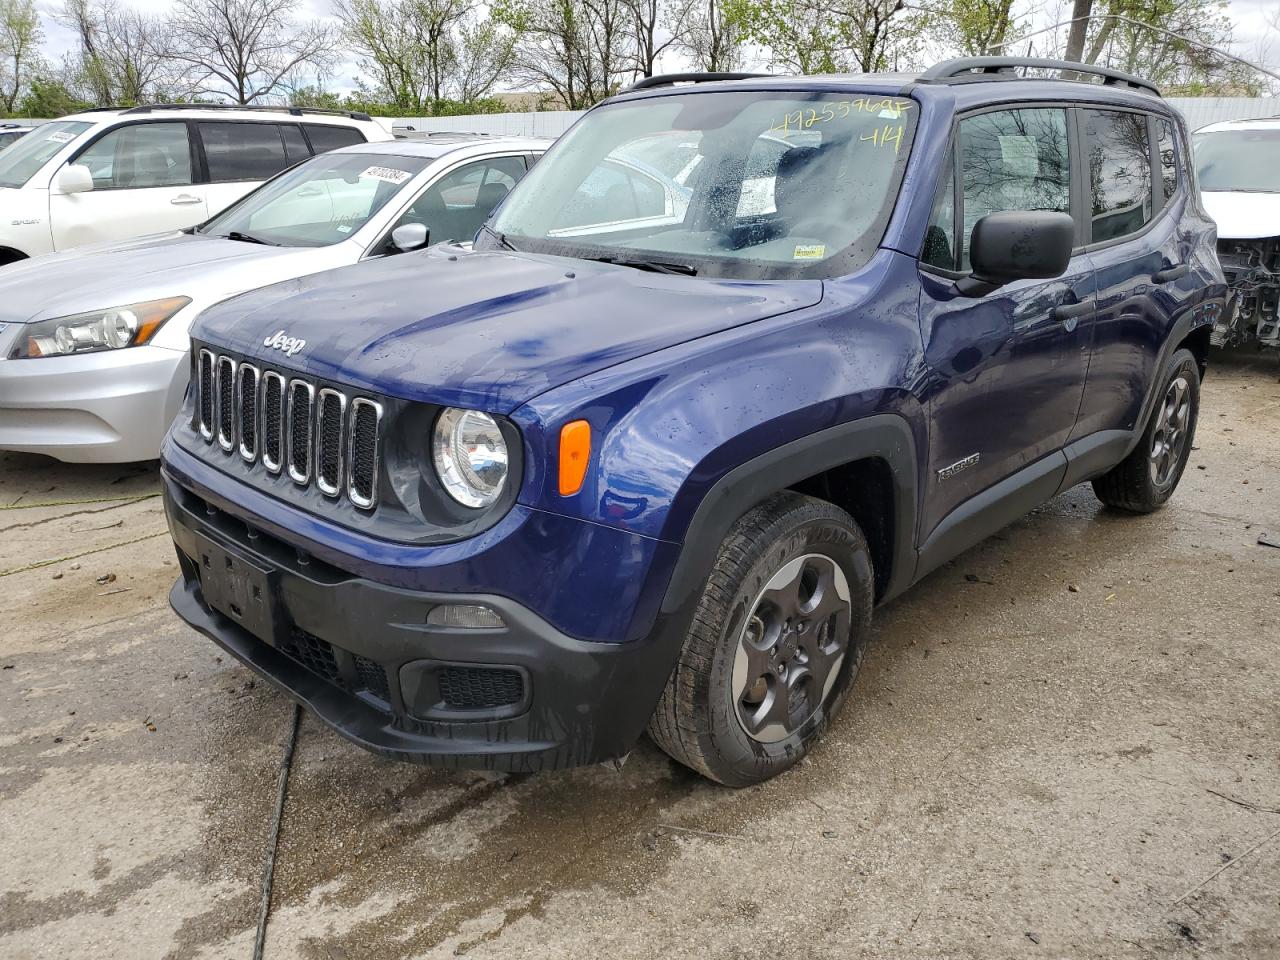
pixel 111 329
pixel 470 456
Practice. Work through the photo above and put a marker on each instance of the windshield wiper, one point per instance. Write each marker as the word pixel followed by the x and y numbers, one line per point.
pixel 503 242
pixel 653 266
pixel 244 238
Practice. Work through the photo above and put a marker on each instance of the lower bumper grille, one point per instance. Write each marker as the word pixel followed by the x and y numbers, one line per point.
pixel 321 658
pixel 480 688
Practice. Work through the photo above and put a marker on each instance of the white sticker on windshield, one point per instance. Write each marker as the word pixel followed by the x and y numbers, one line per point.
pixel 60 137
pixel 386 174
pixel 1020 156
pixel 344 228
pixel 809 251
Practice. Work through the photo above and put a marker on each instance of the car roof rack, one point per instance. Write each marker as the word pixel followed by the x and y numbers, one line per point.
pixel 993 68
pixel 671 79
pixel 292 111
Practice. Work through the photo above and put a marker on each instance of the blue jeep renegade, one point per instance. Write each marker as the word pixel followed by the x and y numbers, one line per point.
pixel 740 359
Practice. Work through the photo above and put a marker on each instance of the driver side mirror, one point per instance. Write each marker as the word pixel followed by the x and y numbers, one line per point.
pixel 75 178
pixel 1017 245
pixel 409 236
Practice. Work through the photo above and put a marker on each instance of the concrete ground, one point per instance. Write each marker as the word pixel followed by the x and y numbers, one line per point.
pixel 1064 744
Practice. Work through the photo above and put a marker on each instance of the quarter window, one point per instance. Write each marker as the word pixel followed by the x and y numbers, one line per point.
pixel 295 147
pixel 1013 160
pixel 242 151
pixel 323 139
pixel 939 238
pixel 1119 173
pixel 140 155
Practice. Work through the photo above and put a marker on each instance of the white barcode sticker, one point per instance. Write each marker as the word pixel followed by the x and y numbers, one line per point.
pixel 386 174
pixel 60 137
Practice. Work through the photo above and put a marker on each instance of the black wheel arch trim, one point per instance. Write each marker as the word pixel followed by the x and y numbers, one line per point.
pixel 886 437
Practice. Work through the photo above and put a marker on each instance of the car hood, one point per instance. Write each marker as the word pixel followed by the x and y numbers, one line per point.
pixel 1244 216
pixel 487 330
pixel 133 271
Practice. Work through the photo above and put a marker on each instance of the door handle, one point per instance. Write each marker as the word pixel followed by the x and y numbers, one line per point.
pixel 1171 274
pixel 185 199
pixel 1072 311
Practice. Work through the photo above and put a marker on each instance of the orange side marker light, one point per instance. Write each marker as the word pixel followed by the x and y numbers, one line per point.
pixel 575 454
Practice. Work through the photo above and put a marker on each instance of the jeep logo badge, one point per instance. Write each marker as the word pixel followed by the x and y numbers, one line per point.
pixel 284 343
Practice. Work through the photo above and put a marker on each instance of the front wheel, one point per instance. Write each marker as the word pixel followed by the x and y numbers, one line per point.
pixel 1145 479
pixel 777 640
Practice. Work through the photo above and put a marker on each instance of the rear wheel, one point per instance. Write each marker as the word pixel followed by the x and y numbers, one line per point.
pixel 1144 480
pixel 777 640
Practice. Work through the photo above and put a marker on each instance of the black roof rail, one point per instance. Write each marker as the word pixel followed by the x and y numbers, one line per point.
pixel 292 111
pixel 670 79
pixel 992 67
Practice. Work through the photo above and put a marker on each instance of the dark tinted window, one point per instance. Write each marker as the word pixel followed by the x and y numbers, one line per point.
pixel 939 238
pixel 1168 159
pixel 242 151
pixel 1119 173
pixel 140 155
pixel 1013 160
pixel 295 146
pixel 324 139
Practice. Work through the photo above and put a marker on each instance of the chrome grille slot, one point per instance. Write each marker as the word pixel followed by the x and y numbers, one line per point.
pixel 301 401
pixel 331 409
pixel 226 416
pixel 204 385
pixel 362 452
pixel 314 433
pixel 247 410
pixel 272 421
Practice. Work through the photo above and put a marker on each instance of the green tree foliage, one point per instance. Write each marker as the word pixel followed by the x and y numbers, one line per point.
pixel 20 37
pixel 813 36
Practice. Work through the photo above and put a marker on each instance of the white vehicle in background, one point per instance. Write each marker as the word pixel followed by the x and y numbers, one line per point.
pixel 11 133
pixel 115 174
pixel 1238 163
pixel 94 343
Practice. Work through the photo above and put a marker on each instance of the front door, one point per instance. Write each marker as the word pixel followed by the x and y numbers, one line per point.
pixel 142 183
pixel 1007 370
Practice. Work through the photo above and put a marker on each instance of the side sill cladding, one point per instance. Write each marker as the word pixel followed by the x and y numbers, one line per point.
pixel 884 436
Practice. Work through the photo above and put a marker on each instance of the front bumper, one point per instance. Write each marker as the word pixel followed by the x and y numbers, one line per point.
pixel 362 657
pixel 108 407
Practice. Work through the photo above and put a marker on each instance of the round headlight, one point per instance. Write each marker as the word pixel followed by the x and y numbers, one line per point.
pixel 470 456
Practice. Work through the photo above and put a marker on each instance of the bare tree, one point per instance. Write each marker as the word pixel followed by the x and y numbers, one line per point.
pixel 712 35
pixel 483 54
pixel 247 49
pixel 655 26
pixel 20 38
pixel 577 48
pixel 121 60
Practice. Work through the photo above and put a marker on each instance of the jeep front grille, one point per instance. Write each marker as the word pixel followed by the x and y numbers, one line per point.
pixel 316 435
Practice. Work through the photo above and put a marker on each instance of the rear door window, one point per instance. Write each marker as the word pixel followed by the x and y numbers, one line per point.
pixel 325 138
pixel 1119 173
pixel 140 155
pixel 1168 155
pixel 242 151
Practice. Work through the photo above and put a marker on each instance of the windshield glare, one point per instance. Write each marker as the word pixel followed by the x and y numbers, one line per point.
pixel 319 202
pixel 735 184
pixel 22 161
pixel 1242 160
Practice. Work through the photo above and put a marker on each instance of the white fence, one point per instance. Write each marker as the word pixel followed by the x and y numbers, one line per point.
pixel 551 123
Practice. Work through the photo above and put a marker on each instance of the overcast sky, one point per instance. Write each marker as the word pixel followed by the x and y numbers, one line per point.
pixel 1253 40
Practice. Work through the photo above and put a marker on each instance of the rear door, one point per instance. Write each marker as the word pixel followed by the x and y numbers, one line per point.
pixel 144 181
pixel 239 155
pixel 1008 368
pixel 1139 255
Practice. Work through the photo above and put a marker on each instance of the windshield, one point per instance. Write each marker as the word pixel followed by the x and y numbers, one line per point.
pixel 1241 160
pixel 20 162
pixel 319 202
pixel 743 184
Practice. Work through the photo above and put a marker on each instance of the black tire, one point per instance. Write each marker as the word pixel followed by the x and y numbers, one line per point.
pixel 1139 483
pixel 697 720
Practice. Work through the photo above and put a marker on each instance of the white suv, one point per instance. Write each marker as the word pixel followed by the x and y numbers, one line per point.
pixel 115 174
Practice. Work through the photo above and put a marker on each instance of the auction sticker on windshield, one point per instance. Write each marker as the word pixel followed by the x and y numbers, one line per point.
pixel 386 174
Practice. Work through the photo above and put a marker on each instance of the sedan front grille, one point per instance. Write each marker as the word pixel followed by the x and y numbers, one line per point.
pixel 316 435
